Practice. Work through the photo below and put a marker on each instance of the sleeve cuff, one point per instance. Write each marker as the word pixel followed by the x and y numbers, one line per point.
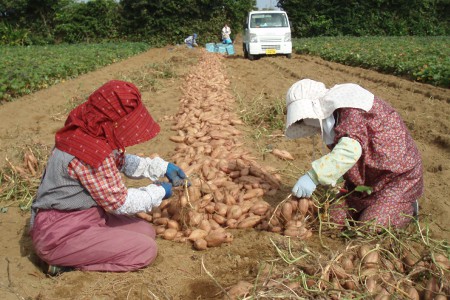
pixel 313 175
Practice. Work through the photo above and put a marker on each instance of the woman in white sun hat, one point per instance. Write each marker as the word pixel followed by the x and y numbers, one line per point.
pixel 370 145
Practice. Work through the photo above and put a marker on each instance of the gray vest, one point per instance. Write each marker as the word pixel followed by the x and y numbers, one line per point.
pixel 58 190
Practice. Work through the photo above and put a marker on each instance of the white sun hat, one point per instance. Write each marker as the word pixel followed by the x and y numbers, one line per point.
pixel 309 99
pixel 301 98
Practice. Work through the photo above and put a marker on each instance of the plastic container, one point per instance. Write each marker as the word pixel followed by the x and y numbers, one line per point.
pixel 210 47
pixel 230 49
pixel 221 48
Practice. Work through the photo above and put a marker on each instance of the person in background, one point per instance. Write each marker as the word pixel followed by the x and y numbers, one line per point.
pixel 226 34
pixel 191 41
pixel 370 146
pixel 83 216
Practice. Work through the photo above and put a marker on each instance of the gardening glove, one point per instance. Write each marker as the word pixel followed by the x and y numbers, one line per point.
pixel 175 175
pixel 167 187
pixel 304 187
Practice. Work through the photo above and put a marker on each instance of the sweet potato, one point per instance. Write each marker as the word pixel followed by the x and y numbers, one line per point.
pixel 246 205
pixel 161 221
pixel 205 225
pixel 413 294
pixel 362 251
pixel 173 224
pixel 347 264
pixel 276 229
pixel 234 212
pixel 292 232
pixel 240 290
pixel 195 218
pixel 229 199
pixel 260 207
pixel 197 234
pixel 160 230
pixel 215 238
pixel 371 258
pixel 248 179
pixel 283 154
pixel 221 208
pixel 169 234
pixel 294 224
pixel 194 193
pixel 231 223
pixel 218 195
pixel 286 211
pixel 303 206
pixel 214 225
pixel 339 272
pixel 177 138
pixel 200 244
pixel 145 216
pixel 249 222
pixel 219 219
pixel 210 208
pixel 253 194
pixel 442 261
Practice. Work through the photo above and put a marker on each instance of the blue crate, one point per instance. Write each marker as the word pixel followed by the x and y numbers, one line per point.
pixel 210 47
pixel 230 49
pixel 221 48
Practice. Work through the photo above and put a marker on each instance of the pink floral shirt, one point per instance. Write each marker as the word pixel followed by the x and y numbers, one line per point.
pixel 390 158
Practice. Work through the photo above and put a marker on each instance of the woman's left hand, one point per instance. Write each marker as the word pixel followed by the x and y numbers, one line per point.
pixel 175 175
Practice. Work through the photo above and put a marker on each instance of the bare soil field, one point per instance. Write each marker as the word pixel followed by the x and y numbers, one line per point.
pixel 180 272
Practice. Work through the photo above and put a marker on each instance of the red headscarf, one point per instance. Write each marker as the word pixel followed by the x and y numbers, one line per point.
pixel 113 117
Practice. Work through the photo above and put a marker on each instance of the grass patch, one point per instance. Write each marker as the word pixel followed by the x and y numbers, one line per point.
pixel 424 59
pixel 147 78
pixel 263 116
pixel 26 69
pixel 19 181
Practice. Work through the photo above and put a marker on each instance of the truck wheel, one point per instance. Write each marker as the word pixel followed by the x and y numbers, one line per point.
pixel 289 55
pixel 245 51
pixel 251 56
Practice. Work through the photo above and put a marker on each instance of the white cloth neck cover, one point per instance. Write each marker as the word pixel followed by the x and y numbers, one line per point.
pixel 327 127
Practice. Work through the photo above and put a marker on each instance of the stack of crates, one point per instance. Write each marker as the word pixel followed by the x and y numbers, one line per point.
pixel 220 48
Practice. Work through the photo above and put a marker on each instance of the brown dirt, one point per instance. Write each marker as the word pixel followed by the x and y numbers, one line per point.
pixel 177 273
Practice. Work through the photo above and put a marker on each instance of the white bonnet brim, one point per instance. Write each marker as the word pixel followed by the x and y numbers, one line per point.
pixel 302 100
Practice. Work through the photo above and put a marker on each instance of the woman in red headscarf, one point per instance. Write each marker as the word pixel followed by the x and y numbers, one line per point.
pixel 83 215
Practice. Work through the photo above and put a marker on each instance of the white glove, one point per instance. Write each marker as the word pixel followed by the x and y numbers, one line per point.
pixel 304 187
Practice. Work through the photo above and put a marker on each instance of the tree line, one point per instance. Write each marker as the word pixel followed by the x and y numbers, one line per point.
pixel 368 17
pixel 160 22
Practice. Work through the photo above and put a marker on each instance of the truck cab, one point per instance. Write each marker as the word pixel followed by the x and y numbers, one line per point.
pixel 267 33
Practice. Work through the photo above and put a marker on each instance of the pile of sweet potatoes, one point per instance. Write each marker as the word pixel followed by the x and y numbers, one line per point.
pixel 227 186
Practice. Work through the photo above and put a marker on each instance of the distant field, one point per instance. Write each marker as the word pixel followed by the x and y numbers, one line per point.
pixel 30 68
pixel 425 59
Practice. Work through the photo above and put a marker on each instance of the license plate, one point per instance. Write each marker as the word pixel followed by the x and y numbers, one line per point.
pixel 271 51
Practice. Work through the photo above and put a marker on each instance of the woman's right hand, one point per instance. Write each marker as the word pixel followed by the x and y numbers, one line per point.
pixel 304 187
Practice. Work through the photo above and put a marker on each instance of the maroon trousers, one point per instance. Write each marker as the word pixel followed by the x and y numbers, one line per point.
pixel 93 240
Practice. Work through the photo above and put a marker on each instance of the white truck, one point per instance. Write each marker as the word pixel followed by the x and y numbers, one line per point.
pixel 267 32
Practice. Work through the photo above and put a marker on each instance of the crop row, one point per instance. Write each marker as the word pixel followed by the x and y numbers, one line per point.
pixel 424 59
pixel 29 69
